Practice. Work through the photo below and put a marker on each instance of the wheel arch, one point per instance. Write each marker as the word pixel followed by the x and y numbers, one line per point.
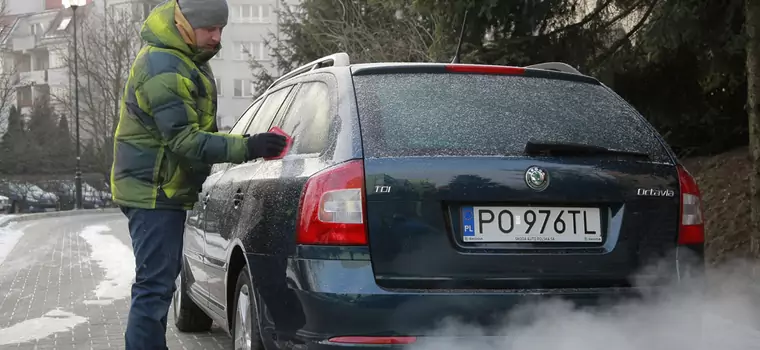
pixel 237 260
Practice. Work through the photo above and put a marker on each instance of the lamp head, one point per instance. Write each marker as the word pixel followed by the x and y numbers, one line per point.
pixel 73 3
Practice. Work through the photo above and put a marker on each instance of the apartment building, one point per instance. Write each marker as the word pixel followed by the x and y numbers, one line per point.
pixel 250 23
pixel 35 40
pixel 38 39
pixel 34 46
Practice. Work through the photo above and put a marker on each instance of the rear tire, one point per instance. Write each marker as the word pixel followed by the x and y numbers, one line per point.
pixel 245 329
pixel 188 317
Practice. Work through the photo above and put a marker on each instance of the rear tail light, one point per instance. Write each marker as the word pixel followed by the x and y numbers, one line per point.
pixel 373 340
pixel 692 226
pixel 332 207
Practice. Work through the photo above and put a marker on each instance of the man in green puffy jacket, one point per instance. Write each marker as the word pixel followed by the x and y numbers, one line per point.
pixel 165 144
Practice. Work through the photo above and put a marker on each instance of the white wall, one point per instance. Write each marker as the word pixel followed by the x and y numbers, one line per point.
pixel 16 7
pixel 250 29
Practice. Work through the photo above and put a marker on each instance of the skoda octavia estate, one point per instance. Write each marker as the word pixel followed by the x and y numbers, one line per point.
pixel 413 192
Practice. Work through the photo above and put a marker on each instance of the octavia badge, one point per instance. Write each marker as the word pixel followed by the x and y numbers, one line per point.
pixel 536 178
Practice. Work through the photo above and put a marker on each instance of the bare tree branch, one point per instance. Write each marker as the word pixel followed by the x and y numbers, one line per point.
pixel 107 48
pixel 379 32
pixel 9 78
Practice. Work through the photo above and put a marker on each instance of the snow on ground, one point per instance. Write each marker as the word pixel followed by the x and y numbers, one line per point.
pixel 115 258
pixel 9 236
pixel 37 328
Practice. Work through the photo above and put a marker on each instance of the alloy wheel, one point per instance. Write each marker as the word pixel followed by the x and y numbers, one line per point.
pixel 243 320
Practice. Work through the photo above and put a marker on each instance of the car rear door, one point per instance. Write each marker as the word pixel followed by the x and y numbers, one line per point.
pixel 276 189
pixel 457 199
pixel 228 199
pixel 198 221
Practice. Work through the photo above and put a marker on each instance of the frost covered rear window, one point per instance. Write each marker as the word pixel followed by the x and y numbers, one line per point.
pixel 430 114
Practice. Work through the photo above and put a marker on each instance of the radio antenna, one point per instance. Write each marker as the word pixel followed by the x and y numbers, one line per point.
pixel 457 54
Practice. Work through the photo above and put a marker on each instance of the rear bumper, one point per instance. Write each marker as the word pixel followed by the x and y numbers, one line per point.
pixel 322 299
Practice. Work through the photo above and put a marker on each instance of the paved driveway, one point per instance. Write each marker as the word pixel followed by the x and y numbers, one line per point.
pixel 57 292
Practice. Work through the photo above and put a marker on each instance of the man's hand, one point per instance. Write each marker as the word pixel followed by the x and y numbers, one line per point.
pixel 265 145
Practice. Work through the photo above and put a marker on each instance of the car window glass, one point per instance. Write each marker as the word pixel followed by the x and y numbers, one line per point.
pixel 503 112
pixel 308 118
pixel 242 123
pixel 265 115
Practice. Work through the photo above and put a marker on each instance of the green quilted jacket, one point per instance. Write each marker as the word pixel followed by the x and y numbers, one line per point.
pixel 167 137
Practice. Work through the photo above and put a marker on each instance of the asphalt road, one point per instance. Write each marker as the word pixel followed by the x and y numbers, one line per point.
pixel 64 284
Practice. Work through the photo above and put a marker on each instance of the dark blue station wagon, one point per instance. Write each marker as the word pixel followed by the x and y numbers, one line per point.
pixel 419 191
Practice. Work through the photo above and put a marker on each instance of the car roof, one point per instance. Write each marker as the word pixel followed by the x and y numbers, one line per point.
pixel 551 70
pixel 554 70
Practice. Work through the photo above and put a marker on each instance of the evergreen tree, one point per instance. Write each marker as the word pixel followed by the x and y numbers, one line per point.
pixel 42 133
pixel 14 145
pixel 65 156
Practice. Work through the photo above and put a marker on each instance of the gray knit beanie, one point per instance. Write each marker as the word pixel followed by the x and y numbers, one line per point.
pixel 205 13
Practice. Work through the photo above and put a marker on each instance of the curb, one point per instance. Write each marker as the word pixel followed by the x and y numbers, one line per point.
pixel 6 220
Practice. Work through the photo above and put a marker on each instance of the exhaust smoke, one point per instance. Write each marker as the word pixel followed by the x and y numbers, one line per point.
pixel 717 310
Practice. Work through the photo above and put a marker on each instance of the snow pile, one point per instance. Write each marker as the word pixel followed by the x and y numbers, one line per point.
pixel 115 258
pixel 9 237
pixel 37 328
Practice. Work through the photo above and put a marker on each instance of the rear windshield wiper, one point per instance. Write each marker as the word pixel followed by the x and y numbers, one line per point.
pixel 542 148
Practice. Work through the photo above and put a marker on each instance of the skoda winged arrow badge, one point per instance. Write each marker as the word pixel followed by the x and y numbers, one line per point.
pixel 537 178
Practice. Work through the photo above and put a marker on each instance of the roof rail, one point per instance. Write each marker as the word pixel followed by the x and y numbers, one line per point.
pixel 558 66
pixel 339 59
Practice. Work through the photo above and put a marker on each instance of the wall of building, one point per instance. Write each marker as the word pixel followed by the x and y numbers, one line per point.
pixel 53 4
pixel 15 7
pixel 250 22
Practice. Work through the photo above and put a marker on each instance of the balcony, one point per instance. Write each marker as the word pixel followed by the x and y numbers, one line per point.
pixel 55 76
pixel 27 96
pixel 36 77
pixel 24 43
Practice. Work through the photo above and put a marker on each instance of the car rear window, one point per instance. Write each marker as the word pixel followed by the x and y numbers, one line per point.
pixel 431 114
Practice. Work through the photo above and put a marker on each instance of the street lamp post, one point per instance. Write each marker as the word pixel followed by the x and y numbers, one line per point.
pixel 74 5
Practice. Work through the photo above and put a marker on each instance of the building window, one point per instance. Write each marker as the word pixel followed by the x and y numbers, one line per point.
pixel 24 96
pixel 41 94
pixel 141 10
pixel 241 12
pixel 23 63
pixel 37 29
pixel 243 88
pixel 250 13
pixel 250 49
pixel 219 90
pixel 40 60
pixel 64 23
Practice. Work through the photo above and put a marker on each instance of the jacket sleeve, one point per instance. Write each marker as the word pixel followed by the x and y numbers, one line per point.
pixel 168 96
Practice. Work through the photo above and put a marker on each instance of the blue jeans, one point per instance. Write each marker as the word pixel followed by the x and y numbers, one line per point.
pixel 157 244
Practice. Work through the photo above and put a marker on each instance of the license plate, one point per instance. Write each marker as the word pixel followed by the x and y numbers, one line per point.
pixel 531 224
